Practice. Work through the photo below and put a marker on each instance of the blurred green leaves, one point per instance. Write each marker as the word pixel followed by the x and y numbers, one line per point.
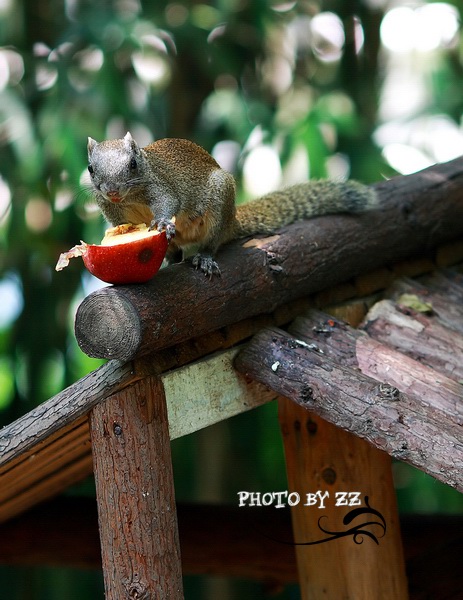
pixel 315 87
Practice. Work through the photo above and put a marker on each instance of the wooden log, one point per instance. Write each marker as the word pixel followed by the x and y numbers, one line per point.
pixel 417 213
pixel 321 457
pixel 419 336
pixel 446 281
pixel 135 494
pixel 64 409
pixel 351 347
pixel 64 533
pixel 390 420
pixel 446 307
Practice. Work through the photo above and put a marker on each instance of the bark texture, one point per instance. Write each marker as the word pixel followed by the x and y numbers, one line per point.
pixel 417 213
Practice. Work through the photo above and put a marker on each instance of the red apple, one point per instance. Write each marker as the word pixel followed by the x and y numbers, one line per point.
pixel 127 254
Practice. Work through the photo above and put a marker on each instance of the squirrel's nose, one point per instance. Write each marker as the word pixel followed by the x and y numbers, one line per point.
pixel 113 195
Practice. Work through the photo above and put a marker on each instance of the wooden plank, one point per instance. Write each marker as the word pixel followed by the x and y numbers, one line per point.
pixel 135 494
pixel 209 391
pixel 48 487
pixel 256 280
pixel 320 455
pixel 322 458
pixel 73 444
pixel 390 420
pixel 65 458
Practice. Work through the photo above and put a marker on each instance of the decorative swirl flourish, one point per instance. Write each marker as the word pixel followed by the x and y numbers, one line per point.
pixel 358 532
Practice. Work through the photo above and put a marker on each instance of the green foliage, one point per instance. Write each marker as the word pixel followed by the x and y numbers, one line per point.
pixel 252 74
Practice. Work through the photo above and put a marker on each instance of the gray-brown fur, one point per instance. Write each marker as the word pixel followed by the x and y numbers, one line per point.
pixel 302 201
pixel 169 178
pixel 176 186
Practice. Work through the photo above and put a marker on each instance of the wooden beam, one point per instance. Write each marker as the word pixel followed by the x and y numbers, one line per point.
pixel 320 455
pixel 322 458
pixel 135 494
pixel 198 395
pixel 64 533
pixel 392 421
pixel 209 391
pixel 417 213
pixel 420 337
pixel 34 435
pixel 442 395
pixel 61 411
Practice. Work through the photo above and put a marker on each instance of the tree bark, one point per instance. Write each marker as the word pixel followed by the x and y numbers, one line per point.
pixel 352 348
pixel 417 213
pixel 421 337
pixel 135 494
pixel 394 422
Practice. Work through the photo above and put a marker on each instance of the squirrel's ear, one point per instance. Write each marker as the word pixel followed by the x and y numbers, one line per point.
pixel 91 144
pixel 130 143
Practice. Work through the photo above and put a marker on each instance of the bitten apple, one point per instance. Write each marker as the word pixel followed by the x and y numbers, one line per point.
pixel 127 254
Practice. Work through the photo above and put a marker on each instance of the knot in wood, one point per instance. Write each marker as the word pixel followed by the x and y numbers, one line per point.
pixel 388 392
pixel 312 427
pixel 136 590
pixel 306 394
pixel 329 475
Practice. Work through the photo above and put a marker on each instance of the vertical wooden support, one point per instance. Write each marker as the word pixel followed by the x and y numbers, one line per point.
pixel 320 456
pixel 135 493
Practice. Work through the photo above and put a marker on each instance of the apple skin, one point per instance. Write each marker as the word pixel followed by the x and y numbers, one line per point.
pixel 135 261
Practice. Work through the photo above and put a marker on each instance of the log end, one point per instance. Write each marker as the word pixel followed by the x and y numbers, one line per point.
pixel 108 325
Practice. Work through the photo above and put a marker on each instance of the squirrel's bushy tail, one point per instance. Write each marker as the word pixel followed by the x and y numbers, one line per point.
pixel 302 201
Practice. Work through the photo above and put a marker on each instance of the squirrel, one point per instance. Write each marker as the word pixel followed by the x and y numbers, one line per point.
pixel 174 185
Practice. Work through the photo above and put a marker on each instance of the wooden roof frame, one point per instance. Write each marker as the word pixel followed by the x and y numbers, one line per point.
pixel 149 341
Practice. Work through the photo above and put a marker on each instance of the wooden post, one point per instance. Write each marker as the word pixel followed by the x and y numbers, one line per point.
pixel 135 494
pixel 320 456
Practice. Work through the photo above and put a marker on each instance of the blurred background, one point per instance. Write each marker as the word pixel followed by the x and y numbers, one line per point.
pixel 278 92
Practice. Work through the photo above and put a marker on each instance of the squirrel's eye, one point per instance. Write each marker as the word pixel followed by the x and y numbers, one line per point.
pixel 91 169
pixel 133 164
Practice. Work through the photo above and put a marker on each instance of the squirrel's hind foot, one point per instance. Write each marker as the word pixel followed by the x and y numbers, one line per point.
pixel 206 264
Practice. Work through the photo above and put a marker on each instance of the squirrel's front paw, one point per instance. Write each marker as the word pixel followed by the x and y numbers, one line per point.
pixel 164 225
pixel 206 264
